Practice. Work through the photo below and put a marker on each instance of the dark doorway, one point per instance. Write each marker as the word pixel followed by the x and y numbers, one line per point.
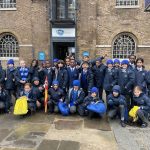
pixel 61 49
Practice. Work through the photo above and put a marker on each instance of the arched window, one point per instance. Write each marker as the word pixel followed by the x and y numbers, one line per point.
pixel 7 3
pixel 123 46
pixel 8 46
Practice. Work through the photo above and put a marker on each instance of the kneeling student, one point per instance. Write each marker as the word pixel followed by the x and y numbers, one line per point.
pixel 143 102
pixel 56 95
pixel 117 104
pixel 75 97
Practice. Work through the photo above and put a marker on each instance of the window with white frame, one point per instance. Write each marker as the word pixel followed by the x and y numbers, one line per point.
pixel 127 3
pixel 9 46
pixel 124 46
pixel 7 4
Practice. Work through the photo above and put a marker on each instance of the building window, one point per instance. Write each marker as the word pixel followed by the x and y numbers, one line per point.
pixel 7 4
pixel 65 9
pixel 124 46
pixel 8 46
pixel 127 3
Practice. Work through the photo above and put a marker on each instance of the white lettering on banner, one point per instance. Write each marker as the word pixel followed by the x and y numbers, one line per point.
pixel 63 32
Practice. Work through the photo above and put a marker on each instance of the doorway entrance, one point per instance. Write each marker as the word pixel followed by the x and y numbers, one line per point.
pixel 63 49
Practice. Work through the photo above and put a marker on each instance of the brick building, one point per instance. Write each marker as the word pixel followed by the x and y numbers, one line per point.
pixel 117 28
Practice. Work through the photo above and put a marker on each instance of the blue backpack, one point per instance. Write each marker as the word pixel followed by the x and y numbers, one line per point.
pixel 98 107
pixel 63 108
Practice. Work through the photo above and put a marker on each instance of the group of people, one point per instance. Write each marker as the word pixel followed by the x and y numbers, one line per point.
pixel 77 84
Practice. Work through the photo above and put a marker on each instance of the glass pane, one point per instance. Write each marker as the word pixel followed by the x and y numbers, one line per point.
pixel 71 9
pixel 61 9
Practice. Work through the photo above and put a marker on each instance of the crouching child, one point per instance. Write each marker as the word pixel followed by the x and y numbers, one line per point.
pixel 75 97
pixel 141 103
pixel 56 95
pixel 117 105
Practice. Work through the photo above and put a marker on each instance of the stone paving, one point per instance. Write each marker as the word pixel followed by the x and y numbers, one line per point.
pixel 55 132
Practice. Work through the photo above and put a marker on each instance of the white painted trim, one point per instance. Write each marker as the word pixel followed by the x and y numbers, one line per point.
pixel 7 58
pixel 26 45
pixel 103 46
pixel 127 7
pixel 8 9
pixel 144 46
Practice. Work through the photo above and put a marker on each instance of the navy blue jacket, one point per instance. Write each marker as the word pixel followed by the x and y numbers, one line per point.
pixel 126 80
pixel 99 75
pixel 37 92
pixel 140 78
pixel 143 101
pixel 2 75
pixel 62 78
pixel 33 72
pixel 110 79
pixel 56 95
pixel 89 80
pixel 80 97
pixel 72 75
pixel 10 79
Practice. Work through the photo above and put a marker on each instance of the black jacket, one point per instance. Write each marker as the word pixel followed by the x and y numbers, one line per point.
pixel 2 75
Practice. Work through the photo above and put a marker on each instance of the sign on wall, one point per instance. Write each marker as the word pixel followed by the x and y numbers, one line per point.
pixel 41 56
pixel 147 5
pixel 63 32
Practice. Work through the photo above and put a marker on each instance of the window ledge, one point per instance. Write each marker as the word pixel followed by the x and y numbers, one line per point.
pixel 127 7
pixel 8 9
pixel 7 58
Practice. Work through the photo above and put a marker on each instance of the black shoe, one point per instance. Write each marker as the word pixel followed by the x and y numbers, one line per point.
pixel 144 125
pixel 123 124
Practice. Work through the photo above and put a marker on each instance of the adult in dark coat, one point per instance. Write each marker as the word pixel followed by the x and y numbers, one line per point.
pixel 99 75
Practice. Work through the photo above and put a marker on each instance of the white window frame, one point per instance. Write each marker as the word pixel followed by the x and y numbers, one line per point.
pixel 121 37
pixel 127 6
pixel 7 5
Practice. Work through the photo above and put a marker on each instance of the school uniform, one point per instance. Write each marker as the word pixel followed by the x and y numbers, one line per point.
pixel 2 75
pixel 33 72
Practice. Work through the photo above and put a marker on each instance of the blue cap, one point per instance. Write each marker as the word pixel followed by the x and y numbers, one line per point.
pixel 55 60
pixel 35 79
pixel 94 90
pixel 109 61
pixel 125 62
pixel 99 59
pixel 85 54
pixel 76 83
pixel 10 61
pixel 55 82
pixel 116 61
pixel 117 89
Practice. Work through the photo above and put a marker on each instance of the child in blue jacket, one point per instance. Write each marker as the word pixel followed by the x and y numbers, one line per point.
pixel 117 104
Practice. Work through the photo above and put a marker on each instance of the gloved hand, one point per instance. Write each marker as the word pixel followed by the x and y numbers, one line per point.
pixel 110 102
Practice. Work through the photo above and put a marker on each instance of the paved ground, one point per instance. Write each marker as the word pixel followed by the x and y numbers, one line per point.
pixel 54 132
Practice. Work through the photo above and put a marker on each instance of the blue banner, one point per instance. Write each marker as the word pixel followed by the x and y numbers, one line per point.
pixel 41 56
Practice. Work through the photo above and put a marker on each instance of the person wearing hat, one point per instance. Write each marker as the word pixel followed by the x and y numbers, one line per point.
pixel 73 73
pixel 116 105
pixel 56 95
pixel 99 73
pixel 86 78
pixel 10 81
pixel 126 80
pixel 38 90
pixel 92 98
pixel 75 97
pixel 110 77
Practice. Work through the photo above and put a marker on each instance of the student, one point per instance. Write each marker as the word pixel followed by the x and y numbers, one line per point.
pixel 126 80
pixel 62 75
pixel 4 99
pixel 22 76
pixel 110 78
pixel 148 82
pixel 33 70
pixel 41 73
pixel 92 98
pixel 38 91
pixel 117 66
pixel 67 62
pixel 2 74
pixel 56 95
pixel 132 59
pixel 141 100
pixel 86 78
pixel 73 73
pixel 75 97
pixel 116 105
pixel 99 74
pixel 140 75
pixel 10 80
pixel 28 92
pixel 48 72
